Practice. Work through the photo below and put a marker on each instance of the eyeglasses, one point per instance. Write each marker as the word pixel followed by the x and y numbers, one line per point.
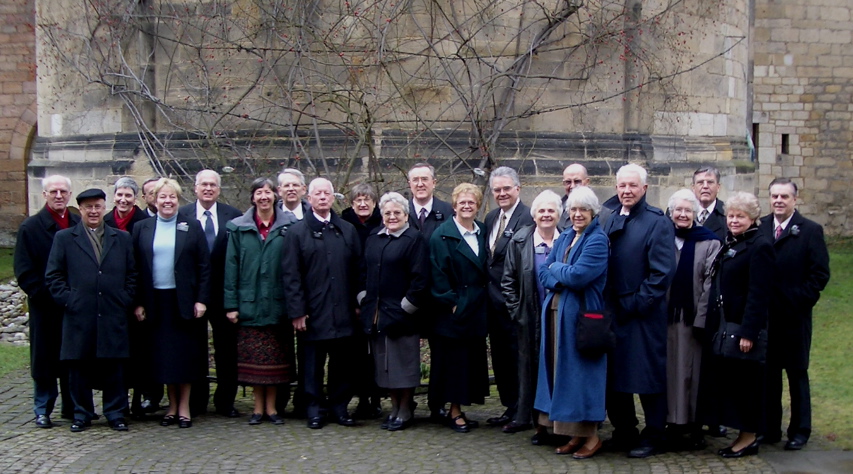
pixel 61 192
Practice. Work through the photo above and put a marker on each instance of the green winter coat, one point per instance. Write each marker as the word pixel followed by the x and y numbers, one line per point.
pixel 253 284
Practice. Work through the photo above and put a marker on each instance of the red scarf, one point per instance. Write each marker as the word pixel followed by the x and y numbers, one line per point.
pixel 122 222
pixel 62 221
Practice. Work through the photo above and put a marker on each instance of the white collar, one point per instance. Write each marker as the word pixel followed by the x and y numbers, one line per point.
pixel 783 224
pixel 508 213
pixel 464 231
pixel 418 207
pixel 199 209
pixel 384 230
pixel 711 208
pixel 322 219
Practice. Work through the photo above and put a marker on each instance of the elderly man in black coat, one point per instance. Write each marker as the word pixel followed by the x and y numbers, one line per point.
pixel 501 224
pixel 323 273
pixel 641 267
pixel 35 237
pixel 803 263
pixel 91 272
pixel 712 215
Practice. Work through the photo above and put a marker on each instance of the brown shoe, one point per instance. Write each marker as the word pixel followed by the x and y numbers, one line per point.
pixel 571 446
pixel 585 453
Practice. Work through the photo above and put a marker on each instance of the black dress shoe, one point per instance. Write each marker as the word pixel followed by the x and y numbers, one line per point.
pixel 399 424
pixel 796 444
pixel 79 425
pixel 184 422
pixel 460 427
pixel 346 421
pixel 276 419
pixel 256 419
pixel 168 420
pixel 750 450
pixel 645 449
pixel 498 420
pixel 119 424
pixel 229 412
pixel 540 438
pixel 315 422
pixel 43 421
pixel 386 422
pixel 515 427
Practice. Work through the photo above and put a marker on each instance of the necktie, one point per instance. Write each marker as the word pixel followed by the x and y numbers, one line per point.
pixel 422 217
pixel 778 231
pixel 209 231
pixel 500 231
pixel 702 216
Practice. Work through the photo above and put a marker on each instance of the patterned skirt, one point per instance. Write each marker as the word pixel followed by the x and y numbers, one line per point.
pixel 265 355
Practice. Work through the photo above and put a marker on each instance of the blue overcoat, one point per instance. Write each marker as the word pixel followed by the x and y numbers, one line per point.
pixel 579 382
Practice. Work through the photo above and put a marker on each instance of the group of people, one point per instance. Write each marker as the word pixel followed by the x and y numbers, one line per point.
pixel 291 288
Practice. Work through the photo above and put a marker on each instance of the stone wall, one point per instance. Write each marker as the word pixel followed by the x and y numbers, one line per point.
pixel 803 104
pixel 14 322
pixel 18 113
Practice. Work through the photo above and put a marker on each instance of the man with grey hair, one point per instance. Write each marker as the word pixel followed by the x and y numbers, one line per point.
pixel 213 216
pixel 322 275
pixel 291 189
pixel 35 238
pixel 574 175
pixel 501 224
pixel 640 269
pixel 712 215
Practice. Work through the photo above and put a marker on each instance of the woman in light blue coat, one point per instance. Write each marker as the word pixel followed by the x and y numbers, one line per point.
pixel 571 386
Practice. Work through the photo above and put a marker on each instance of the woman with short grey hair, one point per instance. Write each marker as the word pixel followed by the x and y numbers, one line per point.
pixel 396 286
pixel 125 213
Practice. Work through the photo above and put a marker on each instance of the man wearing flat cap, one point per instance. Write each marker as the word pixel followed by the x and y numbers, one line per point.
pixel 91 273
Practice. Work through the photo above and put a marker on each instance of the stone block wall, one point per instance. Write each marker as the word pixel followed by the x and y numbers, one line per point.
pixel 803 107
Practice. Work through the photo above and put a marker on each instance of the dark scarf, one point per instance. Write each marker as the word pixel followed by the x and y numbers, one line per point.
pixel 681 291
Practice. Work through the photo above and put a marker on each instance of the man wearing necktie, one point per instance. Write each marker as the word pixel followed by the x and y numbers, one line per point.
pixel 802 257
pixel 426 213
pixel 712 215
pixel 501 223
pixel 213 215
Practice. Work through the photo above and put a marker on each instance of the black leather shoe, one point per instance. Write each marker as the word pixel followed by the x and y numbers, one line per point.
pixel 796 444
pixel 276 419
pixel 515 427
pixel 540 438
pixel 457 427
pixel 386 422
pixel 184 422
pixel 43 421
pixel 79 425
pixel 119 424
pixel 750 450
pixel 256 419
pixel 399 424
pixel 645 449
pixel 230 413
pixel 346 421
pixel 168 420
pixel 315 422
pixel 498 420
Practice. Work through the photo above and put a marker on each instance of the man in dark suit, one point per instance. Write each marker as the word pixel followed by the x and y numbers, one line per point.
pixel 640 270
pixel 712 215
pixel 803 263
pixel 213 215
pixel 501 223
pixel 426 213
pixel 91 272
pixel 35 238
pixel 322 274
pixel 575 175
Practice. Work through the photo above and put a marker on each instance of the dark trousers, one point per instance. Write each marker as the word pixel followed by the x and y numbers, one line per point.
pixel 623 415
pixel 801 404
pixel 45 392
pixel 108 374
pixel 225 356
pixel 365 381
pixel 503 345
pixel 341 373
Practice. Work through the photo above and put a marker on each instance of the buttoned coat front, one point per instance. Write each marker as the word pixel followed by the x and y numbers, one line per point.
pixel 96 294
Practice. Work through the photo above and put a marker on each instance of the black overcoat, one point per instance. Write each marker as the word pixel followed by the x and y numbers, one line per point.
pixel 138 215
pixel 640 269
pixel 96 295
pixel 322 274
pixel 803 263
pixel 397 268
pixel 459 278
pixel 35 238
pixel 192 264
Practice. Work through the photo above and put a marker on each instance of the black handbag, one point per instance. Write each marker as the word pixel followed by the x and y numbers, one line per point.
pixel 726 341
pixel 593 335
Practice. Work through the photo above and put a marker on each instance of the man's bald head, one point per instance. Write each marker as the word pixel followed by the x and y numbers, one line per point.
pixel 573 176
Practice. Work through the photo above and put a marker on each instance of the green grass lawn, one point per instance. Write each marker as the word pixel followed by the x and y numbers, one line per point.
pixel 13 358
pixel 7 272
pixel 831 370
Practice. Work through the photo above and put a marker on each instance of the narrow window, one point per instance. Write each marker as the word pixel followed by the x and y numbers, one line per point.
pixel 785 143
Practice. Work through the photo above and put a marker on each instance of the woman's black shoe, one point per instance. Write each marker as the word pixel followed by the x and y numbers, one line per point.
pixel 184 422
pixel 168 420
pixel 463 428
pixel 750 450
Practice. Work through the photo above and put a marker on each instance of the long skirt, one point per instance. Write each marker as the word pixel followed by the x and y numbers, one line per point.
pixel 179 346
pixel 265 355
pixel 459 370
pixel 732 393
pixel 397 361
pixel 683 365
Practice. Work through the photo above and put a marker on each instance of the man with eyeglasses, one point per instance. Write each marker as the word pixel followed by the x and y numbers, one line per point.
pixel 706 186
pixel 35 237
pixel 574 176
pixel 91 272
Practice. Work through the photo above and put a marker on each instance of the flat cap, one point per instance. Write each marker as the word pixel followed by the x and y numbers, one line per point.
pixel 93 193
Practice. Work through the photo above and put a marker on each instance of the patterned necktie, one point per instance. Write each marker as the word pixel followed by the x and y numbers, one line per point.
pixel 500 231
pixel 703 216
pixel 209 231
pixel 422 217
pixel 778 231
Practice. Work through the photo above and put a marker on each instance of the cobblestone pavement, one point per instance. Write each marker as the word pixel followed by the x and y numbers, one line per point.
pixel 219 444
